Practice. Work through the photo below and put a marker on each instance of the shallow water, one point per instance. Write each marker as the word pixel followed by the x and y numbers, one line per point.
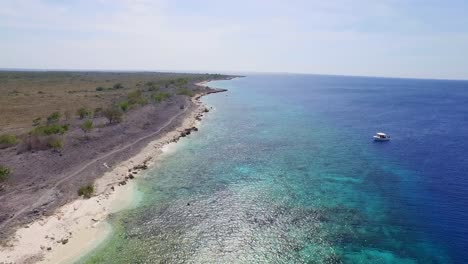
pixel 284 170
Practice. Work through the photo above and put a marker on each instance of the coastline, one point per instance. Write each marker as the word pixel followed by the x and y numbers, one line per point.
pixel 79 226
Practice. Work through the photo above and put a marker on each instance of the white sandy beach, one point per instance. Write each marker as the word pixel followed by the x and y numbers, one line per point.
pixel 78 227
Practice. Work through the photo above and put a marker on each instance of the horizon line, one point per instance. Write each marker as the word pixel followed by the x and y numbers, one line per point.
pixel 220 72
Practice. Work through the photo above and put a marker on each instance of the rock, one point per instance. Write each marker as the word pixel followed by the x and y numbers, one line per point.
pixel 183 134
pixel 131 176
pixel 134 172
pixel 206 110
pixel 49 248
pixel 122 183
pixel 188 204
pixel 194 129
pixel 141 167
pixel 112 188
pixel 64 241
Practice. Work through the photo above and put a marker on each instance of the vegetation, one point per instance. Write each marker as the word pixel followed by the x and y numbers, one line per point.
pixel 47 130
pixel 54 117
pixel 152 87
pixel 4 173
pixel 117 86
pixel 113 114
pixel 97 111
pixel 185 91
pixel 159 97
pixel 83 112
pixel 179 81
pixel 133 98
pixel 67 115
pixel 37 121
pixel 86 191
pixel 87 126
pixel 55 143
pixel 136 97
pixel 72 90
pixel 124 105
pixel 8 140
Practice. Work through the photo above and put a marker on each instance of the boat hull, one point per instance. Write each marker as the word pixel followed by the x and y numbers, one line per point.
pixel 380 139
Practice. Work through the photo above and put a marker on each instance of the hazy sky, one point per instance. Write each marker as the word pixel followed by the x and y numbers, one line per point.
pixel 406 38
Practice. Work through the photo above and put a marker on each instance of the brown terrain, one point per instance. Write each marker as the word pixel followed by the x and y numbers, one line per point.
pixel 50 160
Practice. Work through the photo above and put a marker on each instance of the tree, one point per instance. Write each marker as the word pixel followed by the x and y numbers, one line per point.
pixel 53 118
pixel 113 114
pixel 136 97
pixel 86 191
pixel 117 86
pixel 83 112
pixel 97 111
pixel 67 115
pixel 87 126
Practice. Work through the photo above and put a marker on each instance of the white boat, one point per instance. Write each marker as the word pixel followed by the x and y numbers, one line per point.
pixel 381 137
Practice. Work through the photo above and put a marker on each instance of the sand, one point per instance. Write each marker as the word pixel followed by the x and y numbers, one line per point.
pixel 78 227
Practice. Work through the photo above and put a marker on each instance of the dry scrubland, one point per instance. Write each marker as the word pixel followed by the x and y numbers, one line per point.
pixel 60 131
pixel 25 96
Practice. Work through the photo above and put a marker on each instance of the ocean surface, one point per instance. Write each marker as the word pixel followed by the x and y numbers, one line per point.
pixel 284 170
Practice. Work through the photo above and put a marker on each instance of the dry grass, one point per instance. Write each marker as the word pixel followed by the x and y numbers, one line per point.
pixel 25 96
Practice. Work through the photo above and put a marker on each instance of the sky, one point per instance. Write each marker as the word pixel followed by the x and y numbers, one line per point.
pixel 392 38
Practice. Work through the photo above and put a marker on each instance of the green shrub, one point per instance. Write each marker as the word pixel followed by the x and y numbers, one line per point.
pixel 87 126
pixel 55 143
pixel 159 97
pixel 136 97
pixel 152 87
pixel 4 173
pixel 117 86
pixel 83 112
pixel 8 140
pixel 181 81
pixel 54 117
pixel 47 130
pixel 114 114
pixel 124 105
pixel 86 191
pixel 100 89
pixel 186 92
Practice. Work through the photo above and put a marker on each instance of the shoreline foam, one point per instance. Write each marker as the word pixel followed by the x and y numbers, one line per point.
pixel 78 227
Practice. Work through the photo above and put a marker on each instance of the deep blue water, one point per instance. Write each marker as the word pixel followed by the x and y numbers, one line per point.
pixel 284 170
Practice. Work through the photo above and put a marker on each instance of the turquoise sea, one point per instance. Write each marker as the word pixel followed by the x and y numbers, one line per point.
pixel 284 170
